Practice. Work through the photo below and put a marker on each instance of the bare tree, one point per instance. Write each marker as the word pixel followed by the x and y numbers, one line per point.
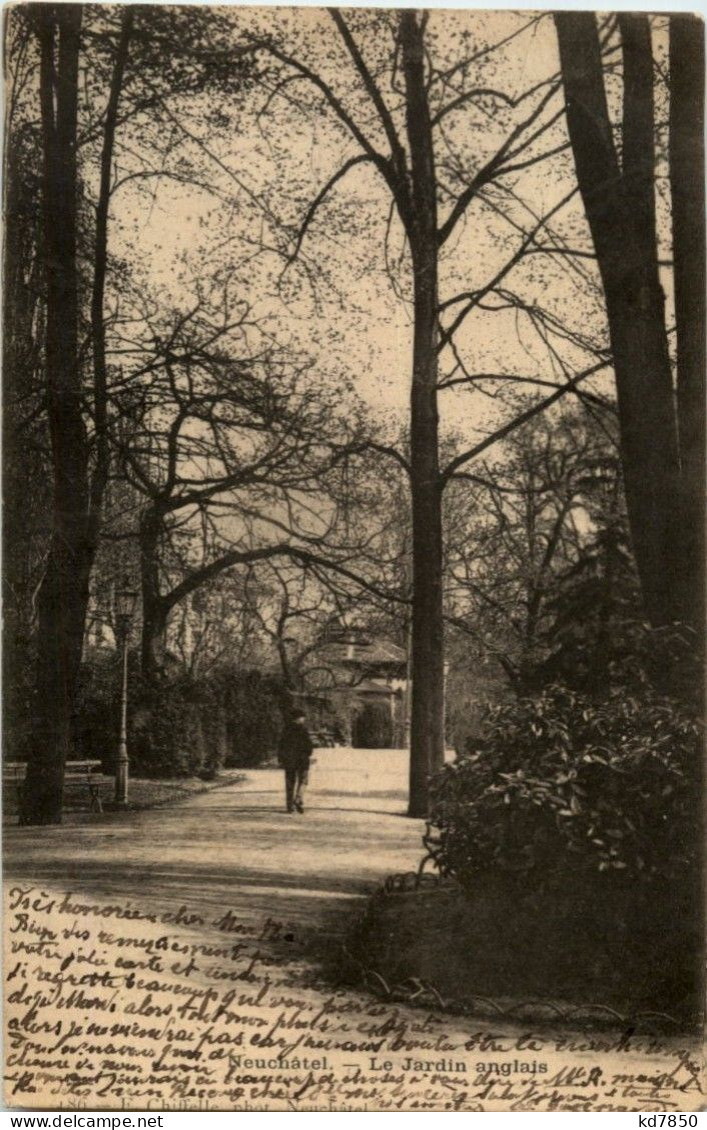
pixel 397 116
pixel 81 59
pixel 235 451
pixel 519 522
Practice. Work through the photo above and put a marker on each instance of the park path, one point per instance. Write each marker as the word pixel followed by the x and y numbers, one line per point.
pixel 235 846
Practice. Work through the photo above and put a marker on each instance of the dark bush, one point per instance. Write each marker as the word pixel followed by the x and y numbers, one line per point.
pixel 180 727
pixel 253 705
pixel 17 699
pixel 96 715
pixel 165 737
pixel 213 735
pixel 573 828
pixel 373 727
pixel 561 784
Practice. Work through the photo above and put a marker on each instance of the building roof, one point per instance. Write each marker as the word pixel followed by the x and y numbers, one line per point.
pixel 364 653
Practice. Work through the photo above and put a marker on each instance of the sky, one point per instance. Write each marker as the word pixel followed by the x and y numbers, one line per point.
pixel 269 159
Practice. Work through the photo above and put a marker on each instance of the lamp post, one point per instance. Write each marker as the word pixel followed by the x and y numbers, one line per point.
pixel 125 600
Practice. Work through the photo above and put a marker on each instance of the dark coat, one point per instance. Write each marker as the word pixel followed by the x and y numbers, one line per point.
pixel 295 748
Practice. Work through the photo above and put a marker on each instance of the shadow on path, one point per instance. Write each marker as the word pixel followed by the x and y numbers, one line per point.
pixel 236 848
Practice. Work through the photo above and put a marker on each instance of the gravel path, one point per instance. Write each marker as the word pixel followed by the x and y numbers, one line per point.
pixel 237 846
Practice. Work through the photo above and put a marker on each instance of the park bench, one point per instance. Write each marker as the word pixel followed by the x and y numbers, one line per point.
pixel 85 771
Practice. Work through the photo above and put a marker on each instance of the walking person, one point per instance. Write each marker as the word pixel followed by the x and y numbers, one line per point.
pixel 294 753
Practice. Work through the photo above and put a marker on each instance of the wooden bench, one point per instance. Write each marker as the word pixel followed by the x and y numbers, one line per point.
pixel 13 773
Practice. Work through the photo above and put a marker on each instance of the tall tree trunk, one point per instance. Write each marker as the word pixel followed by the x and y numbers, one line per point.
pixel 686 148
pixel 619 203
pixel 100 267
pixel 154 632
pixel 27 498
pixel 155 608
pixel 63 595
pixel 427 728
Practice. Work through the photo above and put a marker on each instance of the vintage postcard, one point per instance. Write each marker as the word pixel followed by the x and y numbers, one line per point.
pixel 353 565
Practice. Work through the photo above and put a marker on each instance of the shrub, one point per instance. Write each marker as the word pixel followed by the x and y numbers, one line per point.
pixel 18 697
pixel 165 735
pixel 96 716
pixel 373 727
pixel 561 783
pixel 253 705
pixel 181 727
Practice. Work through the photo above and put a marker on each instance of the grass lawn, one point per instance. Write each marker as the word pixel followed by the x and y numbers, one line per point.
pixel 518 947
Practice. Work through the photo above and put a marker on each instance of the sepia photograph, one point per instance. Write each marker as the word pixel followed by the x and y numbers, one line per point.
pixel 353 560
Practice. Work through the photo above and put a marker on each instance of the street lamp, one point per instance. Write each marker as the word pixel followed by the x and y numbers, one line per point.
pixel 125 600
